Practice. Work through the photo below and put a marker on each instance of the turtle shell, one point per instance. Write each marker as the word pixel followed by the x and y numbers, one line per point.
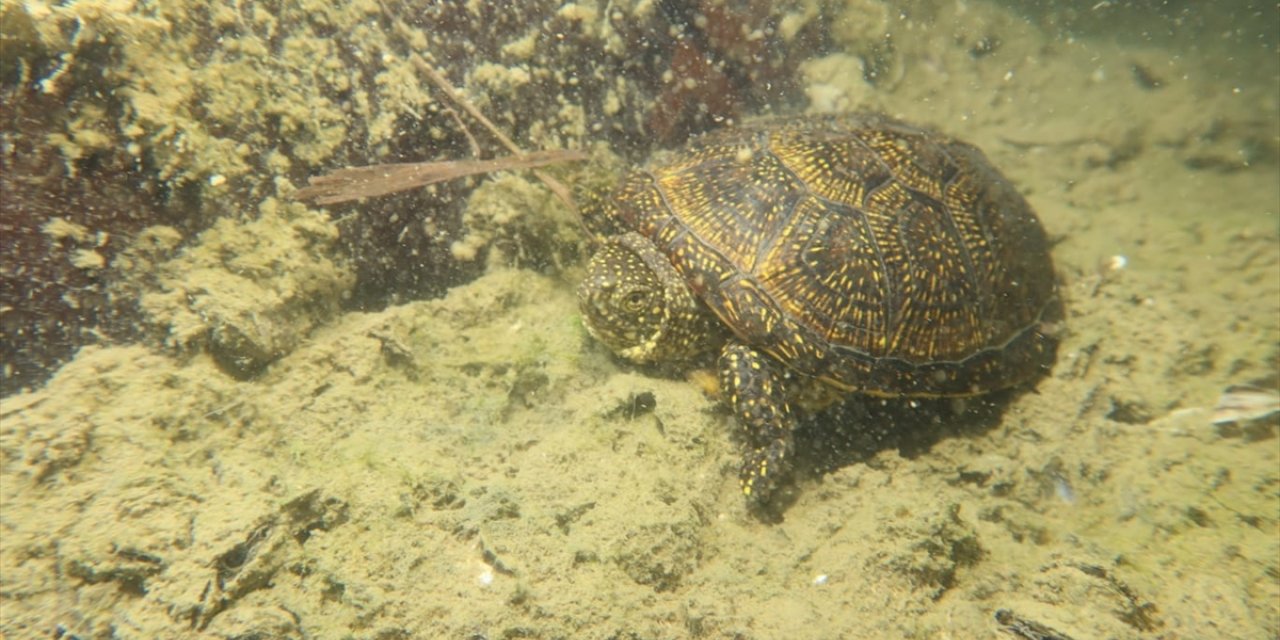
pixel 856 249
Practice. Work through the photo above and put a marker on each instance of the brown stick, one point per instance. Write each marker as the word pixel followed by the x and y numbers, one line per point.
pixel 352 183
pixel 456 98
pixel 442 83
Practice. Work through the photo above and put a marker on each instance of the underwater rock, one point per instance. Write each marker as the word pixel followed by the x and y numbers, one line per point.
pixel 250 292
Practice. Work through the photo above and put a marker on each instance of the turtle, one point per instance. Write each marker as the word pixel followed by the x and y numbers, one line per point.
pixel 852 253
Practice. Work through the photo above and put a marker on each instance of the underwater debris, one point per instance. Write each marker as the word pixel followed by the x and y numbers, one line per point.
pixel 1245 403
pixel 1020 627
pixel 352 183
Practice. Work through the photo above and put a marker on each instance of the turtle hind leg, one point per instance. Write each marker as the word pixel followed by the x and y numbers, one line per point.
pixel 755 387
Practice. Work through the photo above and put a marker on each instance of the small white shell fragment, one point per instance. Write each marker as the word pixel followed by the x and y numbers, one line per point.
pixel 1115 263
pixel 820 579
pixel 1243 403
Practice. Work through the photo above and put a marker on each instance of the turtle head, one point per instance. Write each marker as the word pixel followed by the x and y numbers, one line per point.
pixel 636 303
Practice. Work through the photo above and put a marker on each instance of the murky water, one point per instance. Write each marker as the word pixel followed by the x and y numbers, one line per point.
pixel 230 414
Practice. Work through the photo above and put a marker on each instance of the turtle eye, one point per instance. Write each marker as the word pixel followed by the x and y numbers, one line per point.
pixel 634 302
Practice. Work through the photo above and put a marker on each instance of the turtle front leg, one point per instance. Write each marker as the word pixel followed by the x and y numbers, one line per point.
pixel 754 386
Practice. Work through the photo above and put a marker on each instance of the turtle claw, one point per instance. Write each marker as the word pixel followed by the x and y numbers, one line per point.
pixel 763 469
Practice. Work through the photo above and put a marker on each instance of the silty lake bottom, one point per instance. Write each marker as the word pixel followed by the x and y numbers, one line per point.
pixel 385 420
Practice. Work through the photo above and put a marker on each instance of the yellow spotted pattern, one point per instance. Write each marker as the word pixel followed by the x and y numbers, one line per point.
pixel 878 256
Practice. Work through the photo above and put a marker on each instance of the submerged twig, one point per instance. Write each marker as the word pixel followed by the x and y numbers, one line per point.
pixel 462 126
pixel 443 84
pixel 352 183
pixel 456 98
